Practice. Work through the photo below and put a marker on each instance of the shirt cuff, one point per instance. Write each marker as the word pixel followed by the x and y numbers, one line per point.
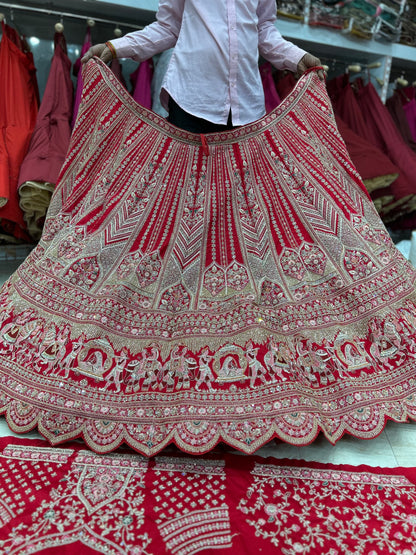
pixel 298 53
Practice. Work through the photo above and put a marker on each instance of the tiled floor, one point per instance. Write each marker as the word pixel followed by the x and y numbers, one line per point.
pixel 395 446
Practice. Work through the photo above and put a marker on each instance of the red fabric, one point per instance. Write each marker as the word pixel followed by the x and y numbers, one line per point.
pixel 271 96
pixel 194 297
pixel 141 81
pixel 77 71
pixel 18 111
pixel 369 160
pixel 70 501
pixel 50 139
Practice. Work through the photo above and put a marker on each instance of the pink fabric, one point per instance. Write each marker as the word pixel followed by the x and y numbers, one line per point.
pixel 50 139
pixel 77 66
pixel 271 96
pixel 141 80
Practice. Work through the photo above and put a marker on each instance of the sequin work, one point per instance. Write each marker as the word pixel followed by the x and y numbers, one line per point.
pixel 192 295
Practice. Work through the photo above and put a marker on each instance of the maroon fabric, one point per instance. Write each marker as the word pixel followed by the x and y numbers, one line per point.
pixel 388 139
pixel 50 139
pixel 77 71
pixel 346 106
pixel 117 69
pixel 285 84
pixel 396 109
pixel 69 500
pixel 368 159
pixel 361 108
pixel 271 97
pixel 410 109
pixel 141 81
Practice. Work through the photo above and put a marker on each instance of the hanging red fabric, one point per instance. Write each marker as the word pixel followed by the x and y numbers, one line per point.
pixel 18 110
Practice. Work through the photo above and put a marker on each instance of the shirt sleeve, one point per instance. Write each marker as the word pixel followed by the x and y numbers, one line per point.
pixel 272 46
pixel 154 38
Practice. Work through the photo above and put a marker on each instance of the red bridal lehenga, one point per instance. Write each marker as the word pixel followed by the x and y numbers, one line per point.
pixel 235 287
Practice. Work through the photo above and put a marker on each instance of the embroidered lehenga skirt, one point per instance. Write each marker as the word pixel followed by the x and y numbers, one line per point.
pixel 232 289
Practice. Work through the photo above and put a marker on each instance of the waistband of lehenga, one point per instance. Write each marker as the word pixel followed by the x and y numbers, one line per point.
pixel 309 80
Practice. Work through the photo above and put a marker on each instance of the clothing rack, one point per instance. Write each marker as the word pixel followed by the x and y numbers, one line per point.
pixel 62 15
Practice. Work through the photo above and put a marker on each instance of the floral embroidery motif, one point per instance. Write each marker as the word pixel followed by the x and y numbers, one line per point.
pixel 148 269
pixel 84 272
pixel 97 501
pixel 292 264
pixel 306 510
pixel 54 225
pixel 271 294
pixel 358 264
pixel 313 258
pixel 237 277
pixel 214 280
pixel 128 265
pixel 175 299
pixel 73 244
pixel 376 236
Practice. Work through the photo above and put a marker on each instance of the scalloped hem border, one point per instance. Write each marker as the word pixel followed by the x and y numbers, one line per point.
pixel 214 434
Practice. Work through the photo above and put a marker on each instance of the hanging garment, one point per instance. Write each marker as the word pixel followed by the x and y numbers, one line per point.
pixel 18 111
pixel 394 104
pixel 141 81
pixel 409 107
pixel 50 140
pixel 235 289
pixel 349 105
pixel 374 167
pixel 78 73
pixel 271 96
pixel 390 141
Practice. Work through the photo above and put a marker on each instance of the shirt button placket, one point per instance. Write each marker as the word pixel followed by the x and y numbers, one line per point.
pixel 233 70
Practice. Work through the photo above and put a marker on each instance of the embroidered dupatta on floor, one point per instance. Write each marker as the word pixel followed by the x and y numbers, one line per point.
pixel 234 291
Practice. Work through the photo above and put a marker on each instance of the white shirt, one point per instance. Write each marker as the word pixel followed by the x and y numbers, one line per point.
pixel 214 66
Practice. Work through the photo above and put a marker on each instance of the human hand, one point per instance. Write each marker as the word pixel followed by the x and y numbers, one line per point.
pixel 309 61
pixel 101 51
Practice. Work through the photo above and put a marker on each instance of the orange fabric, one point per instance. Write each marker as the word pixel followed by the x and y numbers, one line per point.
pixel 18 111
